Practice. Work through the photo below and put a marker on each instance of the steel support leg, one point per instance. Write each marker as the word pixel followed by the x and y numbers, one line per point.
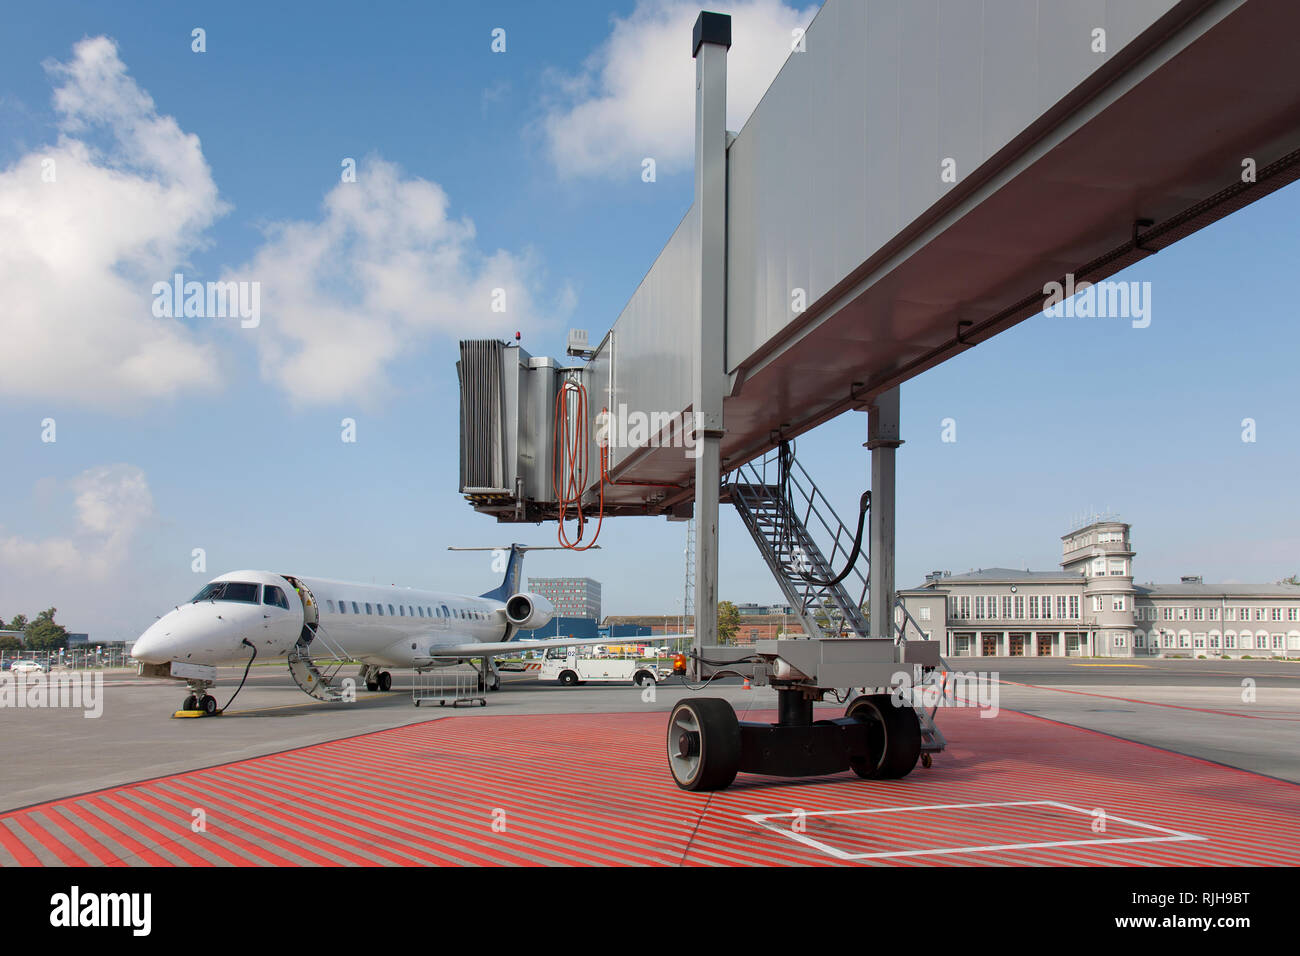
pixel 711 40
pixel 882 440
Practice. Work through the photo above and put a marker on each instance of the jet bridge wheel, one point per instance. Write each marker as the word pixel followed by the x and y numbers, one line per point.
pixel 703 744
pixel 893 737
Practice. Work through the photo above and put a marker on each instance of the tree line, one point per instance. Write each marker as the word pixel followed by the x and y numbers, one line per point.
pixel 39 634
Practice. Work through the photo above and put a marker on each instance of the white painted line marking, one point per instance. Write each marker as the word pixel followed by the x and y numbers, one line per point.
pixel 761 820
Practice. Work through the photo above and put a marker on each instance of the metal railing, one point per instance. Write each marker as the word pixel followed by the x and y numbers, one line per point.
pixel 803 542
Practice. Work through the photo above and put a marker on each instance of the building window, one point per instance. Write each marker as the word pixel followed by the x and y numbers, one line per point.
pixel 1033 606
pixel 1119 640
pixel 1020 607
pixel 1277 642
pixel 965 608
pixel 1198 614
pixel 1006 607
pixel 1277 614
pixel 1074 608
pixel 1184 639
pixel 1230 640
pixel 1214 613
pixel 1168 613
pixel 925 614
pixel 1096 602
pixel 979 607
pixel 1214 641
pixel 1117 566
pixel 1118 603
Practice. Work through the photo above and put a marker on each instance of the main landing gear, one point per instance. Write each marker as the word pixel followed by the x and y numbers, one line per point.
pixel 488 678
pixel 376 679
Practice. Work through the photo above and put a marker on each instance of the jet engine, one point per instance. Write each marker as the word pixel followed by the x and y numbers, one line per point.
pixel 529 611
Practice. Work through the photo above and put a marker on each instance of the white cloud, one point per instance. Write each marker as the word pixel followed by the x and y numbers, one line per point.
pixel 636 95
pixel 383 268
pixel 111 503
pixel 79 255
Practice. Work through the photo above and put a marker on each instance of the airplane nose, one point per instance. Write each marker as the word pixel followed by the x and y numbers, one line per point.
pixel 151 646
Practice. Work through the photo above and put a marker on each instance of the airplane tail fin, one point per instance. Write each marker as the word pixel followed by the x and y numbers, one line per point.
pixel 514 568
pixel 514 575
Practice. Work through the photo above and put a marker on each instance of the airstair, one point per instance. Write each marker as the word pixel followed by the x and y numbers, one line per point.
pixel 304 669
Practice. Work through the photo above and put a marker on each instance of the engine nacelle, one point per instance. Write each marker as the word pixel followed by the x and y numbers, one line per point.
pixel 529 611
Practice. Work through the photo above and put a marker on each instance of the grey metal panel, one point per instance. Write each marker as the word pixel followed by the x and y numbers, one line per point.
pixel 851 134
pixel 651 341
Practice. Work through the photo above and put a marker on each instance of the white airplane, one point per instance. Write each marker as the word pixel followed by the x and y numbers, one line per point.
pixel 246 615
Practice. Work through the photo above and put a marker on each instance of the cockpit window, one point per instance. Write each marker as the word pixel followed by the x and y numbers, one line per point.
pixel 237 591
pixel 274 596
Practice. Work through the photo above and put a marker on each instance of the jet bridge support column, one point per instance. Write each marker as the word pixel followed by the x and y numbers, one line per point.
pixel 710 41
pixel 882 441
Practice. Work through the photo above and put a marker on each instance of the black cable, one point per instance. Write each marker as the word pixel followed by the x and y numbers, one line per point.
pixel 245 677
pixel 784 456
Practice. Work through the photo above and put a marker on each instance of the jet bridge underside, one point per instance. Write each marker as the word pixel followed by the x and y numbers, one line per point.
pixel 1149 149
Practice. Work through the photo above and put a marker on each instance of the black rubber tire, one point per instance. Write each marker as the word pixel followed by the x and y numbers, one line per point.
pixel 385 681
pixel 372 685
pixel 208 704
pixel 719 743
pixel 191 703
pixel 644 677
pixel 568 678
pixel 894 737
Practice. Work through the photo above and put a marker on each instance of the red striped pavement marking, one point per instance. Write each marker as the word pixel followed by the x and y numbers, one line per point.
pixel 595 790
pixel 1279 715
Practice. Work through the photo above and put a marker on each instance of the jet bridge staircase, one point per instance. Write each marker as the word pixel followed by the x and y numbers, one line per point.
pixel 787 514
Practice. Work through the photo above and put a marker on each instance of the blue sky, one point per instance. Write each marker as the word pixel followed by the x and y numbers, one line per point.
pixel 242 459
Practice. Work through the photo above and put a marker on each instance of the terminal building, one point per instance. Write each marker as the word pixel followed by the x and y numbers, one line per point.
pixel 1092 607
pixel 572 597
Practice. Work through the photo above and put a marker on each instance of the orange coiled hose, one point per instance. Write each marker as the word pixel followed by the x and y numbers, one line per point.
pixel 571 443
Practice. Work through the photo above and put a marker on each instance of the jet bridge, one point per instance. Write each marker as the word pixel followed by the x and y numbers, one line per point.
pixel 917 179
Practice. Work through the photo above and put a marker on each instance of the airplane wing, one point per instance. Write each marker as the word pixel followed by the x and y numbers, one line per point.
pixel 496 648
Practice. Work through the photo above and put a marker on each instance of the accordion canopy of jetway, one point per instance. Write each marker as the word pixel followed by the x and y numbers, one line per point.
pixel 910 185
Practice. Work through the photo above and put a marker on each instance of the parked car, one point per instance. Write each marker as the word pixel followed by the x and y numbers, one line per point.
pixel 27 667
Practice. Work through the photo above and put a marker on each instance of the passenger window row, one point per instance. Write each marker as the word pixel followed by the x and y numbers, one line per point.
pixel 403 610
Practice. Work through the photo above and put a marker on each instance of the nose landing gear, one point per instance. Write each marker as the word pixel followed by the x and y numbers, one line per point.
pixel 199 703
